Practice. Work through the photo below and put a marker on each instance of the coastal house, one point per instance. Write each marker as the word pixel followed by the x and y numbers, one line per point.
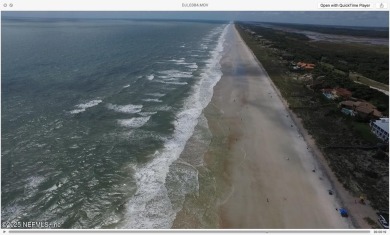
pixel 328 93
pixel 349 104
pixel 381 128
pixel 367 111
pixel 334 93
pixel 348 112
pixel 363 109
pixel 306 66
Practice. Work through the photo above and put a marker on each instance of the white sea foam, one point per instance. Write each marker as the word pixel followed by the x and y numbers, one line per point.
pixel 162 108
pixel 151 207
pixel 147 113
pixel 167 78
pixel 155 94
pixel 130 108
pixel 89 104
pixel 83 107
pixel 150 77
pixel 126 86
pixel 152 100
pixel 34 181
pixel 181 60
pixel 175 74
pixel 173 83
pixel 192 66
pixel 77 111
pixel 134 122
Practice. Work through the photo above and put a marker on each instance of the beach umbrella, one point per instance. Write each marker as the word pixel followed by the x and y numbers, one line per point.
pixel 343 212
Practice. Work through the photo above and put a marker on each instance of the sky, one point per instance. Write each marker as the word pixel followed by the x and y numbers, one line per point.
pixel 365 19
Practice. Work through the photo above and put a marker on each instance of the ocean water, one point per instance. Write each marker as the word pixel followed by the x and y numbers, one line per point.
pixel 95 115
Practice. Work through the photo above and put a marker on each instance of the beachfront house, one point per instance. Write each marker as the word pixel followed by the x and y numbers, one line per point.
pixel 328 93
pixel 368 111
pixel 362 109
pixel 348 112
pixel 334 93
pixel 381 128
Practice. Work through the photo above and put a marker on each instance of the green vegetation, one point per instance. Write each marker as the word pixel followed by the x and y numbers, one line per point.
pixel 371 222
pixel 369 82
pixel 371 61
pixel 364 32
pixel 361 171
pixel 331 78
pixel 364 131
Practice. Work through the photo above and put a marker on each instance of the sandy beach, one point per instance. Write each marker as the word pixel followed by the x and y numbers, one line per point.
pixel 273 179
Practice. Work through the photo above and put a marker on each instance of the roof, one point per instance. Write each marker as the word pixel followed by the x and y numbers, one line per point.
pixel 348 103
pixel 383 123
pixel 377 113
pixel 305 65
pixel 361 106
pixel 364 109
pixel 343 92
pixel 366 104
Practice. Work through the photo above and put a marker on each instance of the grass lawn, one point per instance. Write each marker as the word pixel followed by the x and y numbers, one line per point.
pixel 369 82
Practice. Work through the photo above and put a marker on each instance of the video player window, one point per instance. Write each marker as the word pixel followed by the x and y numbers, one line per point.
pixel 195 120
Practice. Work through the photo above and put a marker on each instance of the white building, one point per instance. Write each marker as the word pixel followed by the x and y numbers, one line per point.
pixel 381 128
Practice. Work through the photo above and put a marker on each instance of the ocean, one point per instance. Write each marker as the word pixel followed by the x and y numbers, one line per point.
pixel 95 117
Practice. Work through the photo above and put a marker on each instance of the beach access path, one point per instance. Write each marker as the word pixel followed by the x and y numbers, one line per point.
pixel 271 179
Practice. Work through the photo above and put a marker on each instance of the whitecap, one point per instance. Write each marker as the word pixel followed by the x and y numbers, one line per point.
pixel 155 94
pixel 173 83
pixel 34 182
pixel 192 66
pixel 152 100
pixel 134 122
pixel 147 113
pixel 83 107
pixel 130 108
pixel 181 60
pixel 176 74
pixel 77 111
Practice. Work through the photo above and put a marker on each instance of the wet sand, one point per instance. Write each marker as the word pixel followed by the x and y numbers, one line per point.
pixel 269 168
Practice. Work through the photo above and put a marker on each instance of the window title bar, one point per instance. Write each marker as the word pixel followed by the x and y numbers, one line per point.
pixel 190 5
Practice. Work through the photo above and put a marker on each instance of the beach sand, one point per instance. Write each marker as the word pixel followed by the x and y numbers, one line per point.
pixel 269 168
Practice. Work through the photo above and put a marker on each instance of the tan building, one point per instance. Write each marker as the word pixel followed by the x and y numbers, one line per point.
pixel 363 109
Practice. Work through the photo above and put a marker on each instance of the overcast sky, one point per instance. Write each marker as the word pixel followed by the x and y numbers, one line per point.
pixel 377 19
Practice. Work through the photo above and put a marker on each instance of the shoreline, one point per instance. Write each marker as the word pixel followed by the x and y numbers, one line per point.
pixel 265 164
pixel 245 168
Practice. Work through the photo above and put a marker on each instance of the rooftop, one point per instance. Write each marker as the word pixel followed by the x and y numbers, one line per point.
pixel 383 123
